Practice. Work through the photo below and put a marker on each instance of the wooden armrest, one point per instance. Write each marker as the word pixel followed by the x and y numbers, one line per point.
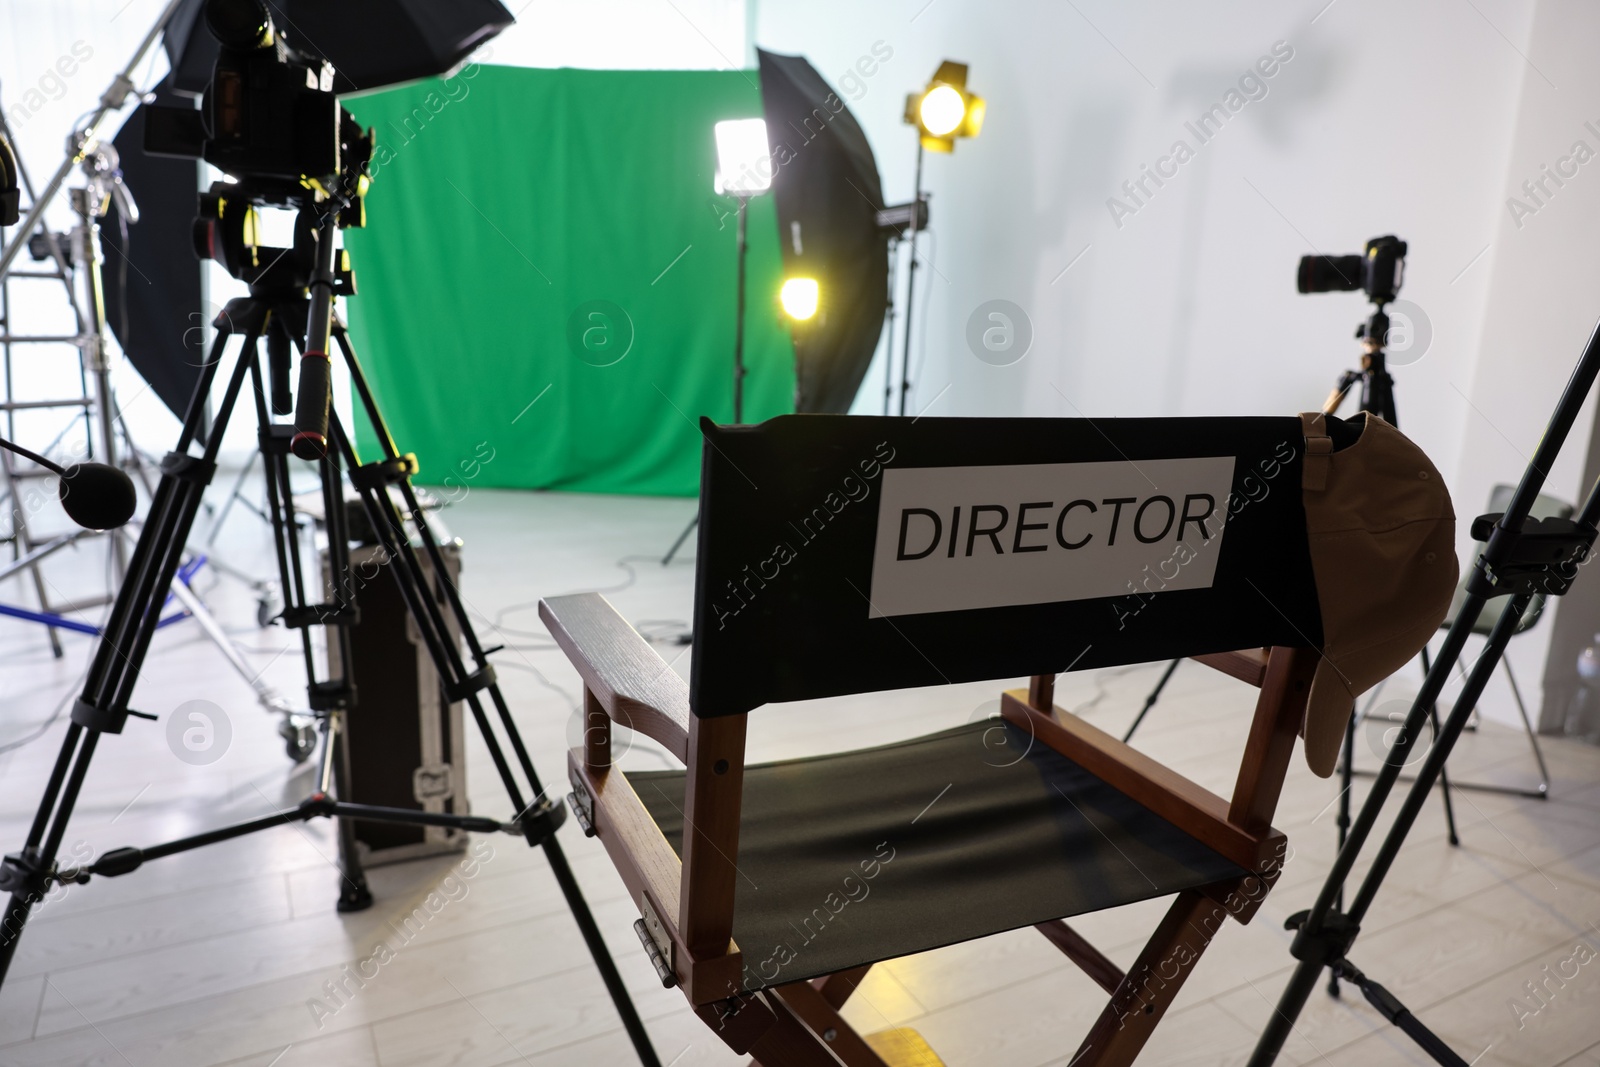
pixel 1196 811
pixel 652 872
pixel 633 684
pixel 1247 665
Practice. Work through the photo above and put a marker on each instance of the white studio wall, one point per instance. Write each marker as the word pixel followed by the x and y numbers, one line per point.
pixel 1542 300
pixel 1178 298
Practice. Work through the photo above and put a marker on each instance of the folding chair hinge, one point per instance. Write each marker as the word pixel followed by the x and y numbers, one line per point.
pixel 656 941
pixel 581 802
pixel 582 806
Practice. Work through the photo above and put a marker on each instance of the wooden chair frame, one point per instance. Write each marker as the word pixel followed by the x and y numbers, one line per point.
pixel 688 905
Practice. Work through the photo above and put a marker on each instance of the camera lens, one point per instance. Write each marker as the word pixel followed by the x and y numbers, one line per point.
pixel 1330 274
pixel 238 23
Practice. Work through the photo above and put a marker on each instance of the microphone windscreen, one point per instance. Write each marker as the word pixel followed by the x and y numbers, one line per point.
pixel 98 496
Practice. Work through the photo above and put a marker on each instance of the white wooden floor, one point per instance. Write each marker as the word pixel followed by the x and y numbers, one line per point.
pixel 226 955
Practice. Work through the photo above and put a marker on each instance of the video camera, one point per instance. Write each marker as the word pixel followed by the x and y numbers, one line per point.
pixel 271 120
pixel 1378 272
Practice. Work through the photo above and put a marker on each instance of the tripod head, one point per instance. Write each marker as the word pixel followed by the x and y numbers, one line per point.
pixel 1378 272
pixel 229 230
pixel 271 121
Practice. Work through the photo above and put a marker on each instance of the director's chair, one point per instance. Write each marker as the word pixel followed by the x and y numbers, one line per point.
pixel 843 555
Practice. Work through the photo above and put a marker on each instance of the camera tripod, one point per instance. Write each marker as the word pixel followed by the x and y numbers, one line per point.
pixel 1377 398
pixel 1522 557
pixel 287 317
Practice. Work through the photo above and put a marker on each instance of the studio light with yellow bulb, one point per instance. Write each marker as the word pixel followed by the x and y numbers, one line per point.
pixel 943 112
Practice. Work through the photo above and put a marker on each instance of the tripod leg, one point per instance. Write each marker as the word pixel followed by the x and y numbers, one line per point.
pixel 1444 787
pixel 1346 781
pixel 600 953
pixel 1444 778
pixel 425 611
pixel 1533 737
pixel 103 704
pixel 25 865
pixel 354 894
pixel 1150 701
pixel 673 551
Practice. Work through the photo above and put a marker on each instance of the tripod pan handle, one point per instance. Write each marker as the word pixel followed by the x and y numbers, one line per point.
pixel 310 441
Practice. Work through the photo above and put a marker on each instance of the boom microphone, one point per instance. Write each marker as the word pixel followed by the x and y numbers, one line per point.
pixel 96 496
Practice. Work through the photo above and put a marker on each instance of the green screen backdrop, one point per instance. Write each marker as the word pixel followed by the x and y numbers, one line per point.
pixel 547 277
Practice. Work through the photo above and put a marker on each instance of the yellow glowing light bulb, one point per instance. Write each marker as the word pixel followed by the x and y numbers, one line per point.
pixel 942 110
pixel 799 298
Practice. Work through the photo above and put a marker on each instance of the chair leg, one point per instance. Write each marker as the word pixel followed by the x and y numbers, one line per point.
pixel 1527 726
pixel 1090 960
pixel 1152 983
pixel 837 987
pixel 790 1042
pixel 823 1020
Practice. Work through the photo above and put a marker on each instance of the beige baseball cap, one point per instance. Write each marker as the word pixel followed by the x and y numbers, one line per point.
pixel 1381 531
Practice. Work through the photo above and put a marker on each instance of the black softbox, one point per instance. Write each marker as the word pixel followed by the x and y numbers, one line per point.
pixel 371 43
pixel 152 278
pixel 828 194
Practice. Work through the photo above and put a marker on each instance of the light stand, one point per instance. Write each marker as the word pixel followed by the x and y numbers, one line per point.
pixel 889 317
pixel 744 170
pixel 738 316
pixel 911 284
pixel 896 221
pixel 86 137
pixel 1521 557
pixel 89 204
pixel 942 113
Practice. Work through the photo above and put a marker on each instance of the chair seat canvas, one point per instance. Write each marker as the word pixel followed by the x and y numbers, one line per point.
pixel 868 855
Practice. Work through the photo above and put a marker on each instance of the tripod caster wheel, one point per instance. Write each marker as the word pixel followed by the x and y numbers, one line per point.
pixel 264 612
pixel 356 898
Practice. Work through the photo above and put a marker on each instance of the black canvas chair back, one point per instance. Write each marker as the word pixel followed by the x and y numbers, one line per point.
pixel 846 555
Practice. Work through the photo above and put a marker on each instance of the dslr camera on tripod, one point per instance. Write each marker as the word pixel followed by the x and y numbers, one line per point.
pixel 1377 272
